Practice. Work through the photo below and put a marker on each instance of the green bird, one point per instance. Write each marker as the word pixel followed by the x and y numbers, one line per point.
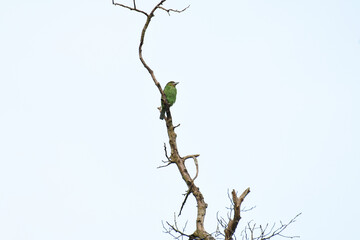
pixel 170 93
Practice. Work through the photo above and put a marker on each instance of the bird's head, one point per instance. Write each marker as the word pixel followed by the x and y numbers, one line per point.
pixel 172 83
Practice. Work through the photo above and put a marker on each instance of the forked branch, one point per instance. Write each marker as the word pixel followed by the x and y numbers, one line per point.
pixel 232 225
pixel 130 8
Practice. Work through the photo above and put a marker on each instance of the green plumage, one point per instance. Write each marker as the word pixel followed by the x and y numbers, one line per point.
pixel 170 93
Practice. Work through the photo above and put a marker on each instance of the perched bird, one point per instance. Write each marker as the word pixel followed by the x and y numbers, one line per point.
pixel 170 93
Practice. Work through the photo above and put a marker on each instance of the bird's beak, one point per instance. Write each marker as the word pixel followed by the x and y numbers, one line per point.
pixel 176 83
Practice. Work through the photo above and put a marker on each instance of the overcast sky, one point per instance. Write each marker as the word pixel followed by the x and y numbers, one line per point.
pixel 268 96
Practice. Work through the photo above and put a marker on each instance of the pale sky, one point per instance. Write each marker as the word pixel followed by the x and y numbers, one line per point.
pixel 268 96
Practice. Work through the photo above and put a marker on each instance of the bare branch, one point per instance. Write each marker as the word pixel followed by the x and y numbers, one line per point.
pixel 166 154
pixel 197 168
pixel 220 222
pixel 177 230
pixel 183 203
pixel 174 228
pixel 169 161
pixel 190 156
pixel 264 233
pixel 247 209
pixel 232 225
pixel 146 25
pixel 173 10
pixel 194 157
pixel 196 175
pixel 130 8
pixel 279 230
pixel 167 164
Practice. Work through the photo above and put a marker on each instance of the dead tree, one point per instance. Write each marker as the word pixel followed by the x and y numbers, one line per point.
pixel 200 233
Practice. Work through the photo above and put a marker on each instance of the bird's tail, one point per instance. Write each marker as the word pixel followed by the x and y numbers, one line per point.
pixel 162 114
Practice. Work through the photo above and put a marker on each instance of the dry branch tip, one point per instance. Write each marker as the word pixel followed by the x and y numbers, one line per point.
pixel 174 10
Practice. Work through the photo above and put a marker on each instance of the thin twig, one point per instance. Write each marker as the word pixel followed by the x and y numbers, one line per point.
pixel 169 161
pixel 265 233
pixel 176 229
pixel 183 203
pixel 130 8
pixel 166 154
pixel 173 10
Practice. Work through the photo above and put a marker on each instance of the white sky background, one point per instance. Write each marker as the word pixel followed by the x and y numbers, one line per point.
pixel 268 96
